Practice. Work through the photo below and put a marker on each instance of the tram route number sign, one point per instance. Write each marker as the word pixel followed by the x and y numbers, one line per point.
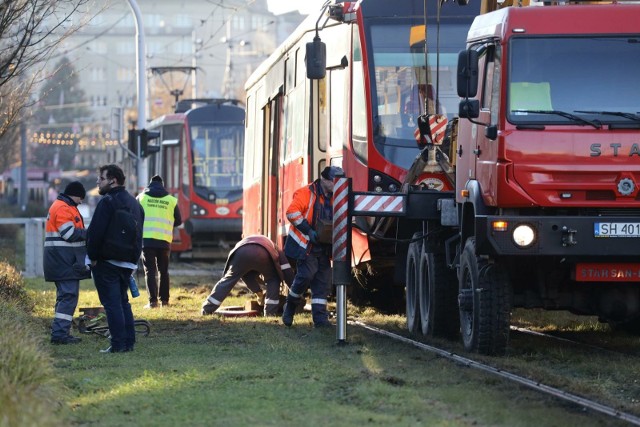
pixel 607 272
pixel 616 229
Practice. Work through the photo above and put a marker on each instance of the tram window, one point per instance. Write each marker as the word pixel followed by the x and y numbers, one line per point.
pixel 359 106
pixel 338 110
pixel 290 74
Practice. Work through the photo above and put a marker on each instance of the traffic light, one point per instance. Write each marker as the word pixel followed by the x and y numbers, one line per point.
pixel 132 143
pixel 145 137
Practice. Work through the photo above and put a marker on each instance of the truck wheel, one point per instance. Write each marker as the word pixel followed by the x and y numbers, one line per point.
pixel 437 295
pixel 631 327
pixel 411 294
pixel 484 304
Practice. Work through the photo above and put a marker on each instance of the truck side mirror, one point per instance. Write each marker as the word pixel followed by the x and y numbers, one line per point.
pixel 316 59
pixel 467 73
pixel 469 109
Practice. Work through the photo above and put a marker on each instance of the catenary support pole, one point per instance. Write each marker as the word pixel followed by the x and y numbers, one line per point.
pixel 142 92
pixel 341 251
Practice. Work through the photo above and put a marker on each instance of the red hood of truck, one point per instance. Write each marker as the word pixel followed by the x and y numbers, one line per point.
pixel 576 167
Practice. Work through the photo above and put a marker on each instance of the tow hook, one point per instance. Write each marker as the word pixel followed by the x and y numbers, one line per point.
pixel 569 236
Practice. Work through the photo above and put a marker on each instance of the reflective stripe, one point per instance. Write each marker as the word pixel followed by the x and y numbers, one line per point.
pixel 319 301
pixel 63 243
pixel 66 229
pixel 148 229
pixel 293 294
pixel 285 266
pixel 63 316
pixel 298 240
pixel 212 300
pixel 271 301
pixel 159 217
pixel 295 217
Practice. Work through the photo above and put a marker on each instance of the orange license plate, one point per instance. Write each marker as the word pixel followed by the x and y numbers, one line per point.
pixel 607 272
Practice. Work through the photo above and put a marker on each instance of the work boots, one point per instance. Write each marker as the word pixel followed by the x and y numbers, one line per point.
pixel 289 310
pixel 320 315
pixel 208 308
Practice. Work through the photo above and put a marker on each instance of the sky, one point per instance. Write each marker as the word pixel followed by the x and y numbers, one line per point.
pixel 303 6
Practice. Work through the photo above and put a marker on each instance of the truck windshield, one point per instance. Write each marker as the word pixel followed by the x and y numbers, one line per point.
pixel 400 83
pixel 585 78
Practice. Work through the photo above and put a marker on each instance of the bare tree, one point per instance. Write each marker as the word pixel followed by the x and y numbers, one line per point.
pixel 30 32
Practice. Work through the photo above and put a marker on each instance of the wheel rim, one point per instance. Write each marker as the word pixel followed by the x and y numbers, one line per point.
pixel 466 314
pixel 424 295
pixel 412 291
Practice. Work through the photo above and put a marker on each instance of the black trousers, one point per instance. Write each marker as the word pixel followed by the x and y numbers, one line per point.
pixel 156 262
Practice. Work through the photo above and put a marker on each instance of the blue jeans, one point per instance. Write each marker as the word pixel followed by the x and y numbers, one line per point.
pixel 112 284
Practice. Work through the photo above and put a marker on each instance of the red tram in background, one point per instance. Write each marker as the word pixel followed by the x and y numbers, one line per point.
pixel 361 116
pixel 201 162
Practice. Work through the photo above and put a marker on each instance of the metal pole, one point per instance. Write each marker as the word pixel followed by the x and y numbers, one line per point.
pixel 142 91
pixel 24 199
pixel 194 64
pixel 341 251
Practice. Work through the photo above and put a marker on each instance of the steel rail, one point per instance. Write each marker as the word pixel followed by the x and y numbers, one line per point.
pixel 536 385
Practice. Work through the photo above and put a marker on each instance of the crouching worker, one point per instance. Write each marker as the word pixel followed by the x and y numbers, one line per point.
pixel 252 257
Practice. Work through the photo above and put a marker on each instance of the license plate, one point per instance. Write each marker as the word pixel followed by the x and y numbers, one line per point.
pixel 616 229
pixel 607 272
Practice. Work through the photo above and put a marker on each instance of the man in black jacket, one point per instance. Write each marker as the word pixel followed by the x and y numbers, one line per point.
pixel 113 262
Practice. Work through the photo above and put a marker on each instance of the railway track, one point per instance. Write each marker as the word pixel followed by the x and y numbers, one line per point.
pixel 501 370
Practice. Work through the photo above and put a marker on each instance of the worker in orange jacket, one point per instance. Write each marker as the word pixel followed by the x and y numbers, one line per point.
pixel 310 204
pixel 255 260
pixel 64 258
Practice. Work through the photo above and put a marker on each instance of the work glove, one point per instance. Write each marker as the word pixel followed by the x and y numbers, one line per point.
pixel 313 236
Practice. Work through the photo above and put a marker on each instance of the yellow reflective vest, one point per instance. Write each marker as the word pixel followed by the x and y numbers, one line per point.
pixel 158 216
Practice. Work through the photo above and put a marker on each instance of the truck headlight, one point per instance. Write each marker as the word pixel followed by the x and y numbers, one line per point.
pixel 524 235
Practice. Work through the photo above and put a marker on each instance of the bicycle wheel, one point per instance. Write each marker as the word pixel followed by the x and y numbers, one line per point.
pixel 103 331
pixel 142 327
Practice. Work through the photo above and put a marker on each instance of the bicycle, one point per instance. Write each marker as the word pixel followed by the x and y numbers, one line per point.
pixel 94 320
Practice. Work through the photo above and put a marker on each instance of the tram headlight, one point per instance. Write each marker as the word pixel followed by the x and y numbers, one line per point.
pixel 197 210
pixel 524 235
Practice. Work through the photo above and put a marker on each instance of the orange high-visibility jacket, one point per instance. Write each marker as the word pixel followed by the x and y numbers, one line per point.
pixel 302 216
pixel 64 243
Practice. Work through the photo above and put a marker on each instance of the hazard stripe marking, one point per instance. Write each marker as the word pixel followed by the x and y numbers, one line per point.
pixel 368 203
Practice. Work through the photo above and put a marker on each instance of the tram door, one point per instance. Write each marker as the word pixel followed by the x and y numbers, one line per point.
pixel 270 179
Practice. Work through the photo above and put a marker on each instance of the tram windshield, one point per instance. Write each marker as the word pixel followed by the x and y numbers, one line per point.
pixel 217 156
pixel 401 81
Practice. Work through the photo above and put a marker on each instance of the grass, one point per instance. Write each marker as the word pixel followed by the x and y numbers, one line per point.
pixel 209 371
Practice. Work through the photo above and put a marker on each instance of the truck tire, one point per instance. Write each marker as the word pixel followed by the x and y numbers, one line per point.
pixel 412 284
pixel 484 304
pixel 437 297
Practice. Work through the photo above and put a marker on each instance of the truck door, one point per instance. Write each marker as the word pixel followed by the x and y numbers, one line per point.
pixel 486 150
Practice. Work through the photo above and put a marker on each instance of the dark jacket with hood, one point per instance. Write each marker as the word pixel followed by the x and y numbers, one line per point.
pixel 102 216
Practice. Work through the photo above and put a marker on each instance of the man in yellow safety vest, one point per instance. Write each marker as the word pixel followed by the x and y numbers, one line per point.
pixel 161 214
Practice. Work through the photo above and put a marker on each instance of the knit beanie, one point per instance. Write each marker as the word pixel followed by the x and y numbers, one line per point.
pixel 156 178
pixel 75 188
pixel 330 172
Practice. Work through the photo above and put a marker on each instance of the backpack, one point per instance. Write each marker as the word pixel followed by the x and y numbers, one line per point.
pixel 122 242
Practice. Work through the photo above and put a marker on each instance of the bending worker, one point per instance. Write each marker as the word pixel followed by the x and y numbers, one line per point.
pixel 254 259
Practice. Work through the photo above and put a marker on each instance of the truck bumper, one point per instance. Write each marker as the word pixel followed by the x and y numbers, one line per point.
pixel 568 236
